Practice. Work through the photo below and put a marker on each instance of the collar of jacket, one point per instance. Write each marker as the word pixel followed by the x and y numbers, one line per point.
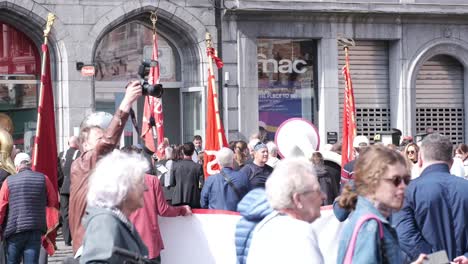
pixel 438 167
pixel 365 204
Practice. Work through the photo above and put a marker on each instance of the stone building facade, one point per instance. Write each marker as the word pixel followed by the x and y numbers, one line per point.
pixel 282 60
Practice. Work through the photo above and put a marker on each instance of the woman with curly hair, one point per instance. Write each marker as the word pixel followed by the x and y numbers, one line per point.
pixel 381 177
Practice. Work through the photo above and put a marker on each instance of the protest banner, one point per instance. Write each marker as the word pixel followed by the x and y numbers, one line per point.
pixel 207 237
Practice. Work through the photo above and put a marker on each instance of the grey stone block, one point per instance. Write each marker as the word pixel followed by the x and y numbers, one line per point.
pixel 168 7
pixel 69 14
pixel 204 15
pixel 26 4
pixel 92 14
pixel 131 6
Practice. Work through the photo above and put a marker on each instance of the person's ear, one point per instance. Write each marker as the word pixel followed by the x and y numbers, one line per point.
pixel 420 160
pixel 297 200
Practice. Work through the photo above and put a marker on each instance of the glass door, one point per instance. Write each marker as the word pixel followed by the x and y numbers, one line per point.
pixel 193 113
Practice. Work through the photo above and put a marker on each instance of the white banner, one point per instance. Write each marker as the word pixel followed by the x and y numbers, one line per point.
pixel 207 237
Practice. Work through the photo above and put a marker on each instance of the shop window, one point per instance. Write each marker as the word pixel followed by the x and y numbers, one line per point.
pixel 285 81
pixel 19 83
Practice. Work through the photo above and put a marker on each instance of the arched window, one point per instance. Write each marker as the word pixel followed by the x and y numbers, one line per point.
pixel 118 57
pixel 19 79
pixel 439 97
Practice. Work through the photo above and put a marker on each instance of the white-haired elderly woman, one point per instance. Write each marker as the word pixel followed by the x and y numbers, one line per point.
pixel 285 235
pixel 115 191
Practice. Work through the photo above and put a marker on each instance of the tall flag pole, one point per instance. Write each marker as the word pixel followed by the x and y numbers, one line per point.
pixel 45 143
pixel 153 119
pixel 215 137
pixel 349 110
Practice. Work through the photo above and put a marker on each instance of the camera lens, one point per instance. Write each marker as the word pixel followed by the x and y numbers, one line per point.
pixel 152 90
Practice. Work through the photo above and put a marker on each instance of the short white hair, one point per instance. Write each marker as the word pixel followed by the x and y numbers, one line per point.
pixel 225 157
pixel 114 178
pixel 290 176
pixel 272 148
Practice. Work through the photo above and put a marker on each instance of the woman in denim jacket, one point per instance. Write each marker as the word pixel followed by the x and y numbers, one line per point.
pixel 381 176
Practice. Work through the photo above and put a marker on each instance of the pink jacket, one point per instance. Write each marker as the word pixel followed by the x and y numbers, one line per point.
pixel 146 219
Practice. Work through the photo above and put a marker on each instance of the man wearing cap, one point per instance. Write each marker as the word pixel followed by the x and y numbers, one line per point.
pixel 258 171
pixel 360 143
pixel 95 143
pixel 25 195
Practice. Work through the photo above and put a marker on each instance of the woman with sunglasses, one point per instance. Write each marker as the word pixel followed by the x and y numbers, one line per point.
pixel 411 154
pixel 381 177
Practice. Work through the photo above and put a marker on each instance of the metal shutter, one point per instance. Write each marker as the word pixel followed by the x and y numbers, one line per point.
pixel 369 73
pixel 439 97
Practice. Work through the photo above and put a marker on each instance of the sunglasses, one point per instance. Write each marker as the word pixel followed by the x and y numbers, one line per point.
pixel 410 152
pixel 396 180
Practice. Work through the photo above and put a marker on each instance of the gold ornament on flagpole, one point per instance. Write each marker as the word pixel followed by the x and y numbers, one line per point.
pixel 154 19
pixel 50 21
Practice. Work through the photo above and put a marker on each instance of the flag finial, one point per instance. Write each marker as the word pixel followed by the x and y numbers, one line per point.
pixel 50 21
pixel 345 42
pixel 154 19
pixel 209 42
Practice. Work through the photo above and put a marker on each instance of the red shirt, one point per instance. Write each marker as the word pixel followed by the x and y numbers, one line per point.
pixel 146 219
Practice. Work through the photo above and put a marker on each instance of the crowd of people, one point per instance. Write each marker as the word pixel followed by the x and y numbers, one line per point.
pixel 400 204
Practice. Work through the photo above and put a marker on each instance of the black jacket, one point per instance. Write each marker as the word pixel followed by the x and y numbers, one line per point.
pixel 187 179
pixel 65 161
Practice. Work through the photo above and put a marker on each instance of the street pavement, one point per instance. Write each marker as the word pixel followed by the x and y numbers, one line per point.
pixel 63 251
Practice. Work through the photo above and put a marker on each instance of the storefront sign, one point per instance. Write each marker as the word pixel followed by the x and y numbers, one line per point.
pixel 332 137
pixel 88 70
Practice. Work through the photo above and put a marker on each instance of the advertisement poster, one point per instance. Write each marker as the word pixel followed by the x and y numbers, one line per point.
pixel 285 82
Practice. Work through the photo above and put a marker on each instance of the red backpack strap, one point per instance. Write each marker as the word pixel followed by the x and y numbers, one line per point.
pixel 352 243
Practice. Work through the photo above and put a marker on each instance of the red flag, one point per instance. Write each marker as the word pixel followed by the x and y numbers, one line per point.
pixel 349 118
pixel 215 137
pixel 153 109
pixel 45 146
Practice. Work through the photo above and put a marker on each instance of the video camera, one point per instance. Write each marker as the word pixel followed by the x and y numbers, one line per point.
pixel 148 89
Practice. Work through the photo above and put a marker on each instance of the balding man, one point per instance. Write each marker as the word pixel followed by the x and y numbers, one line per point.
pixel 65 159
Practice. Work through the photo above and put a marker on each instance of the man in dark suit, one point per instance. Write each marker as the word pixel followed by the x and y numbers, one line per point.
pixel 66 158
pixel 187 179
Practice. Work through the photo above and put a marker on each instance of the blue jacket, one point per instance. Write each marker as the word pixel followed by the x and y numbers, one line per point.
pixel 253 208
pixel 369 247
pixel 434 214
pixel 217 194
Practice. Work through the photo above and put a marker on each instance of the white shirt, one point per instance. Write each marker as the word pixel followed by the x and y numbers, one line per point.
pixel 457 169
pixel 280 239
pixel 272 161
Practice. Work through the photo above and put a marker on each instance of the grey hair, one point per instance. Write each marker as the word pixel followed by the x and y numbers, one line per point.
pixel 169 153
pixel 290 176
pixel 114 178
pixel 272 148
pixel 436 147
pixel 225 157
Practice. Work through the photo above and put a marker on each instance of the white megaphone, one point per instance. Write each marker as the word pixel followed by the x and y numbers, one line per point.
pixel 298 137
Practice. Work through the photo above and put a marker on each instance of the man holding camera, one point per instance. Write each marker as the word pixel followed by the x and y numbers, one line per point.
pixel 96 142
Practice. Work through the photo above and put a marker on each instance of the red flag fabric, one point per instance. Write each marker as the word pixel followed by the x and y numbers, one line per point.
pixel 45 146
pixel 349 118
pixel 153 109
pixel 215 137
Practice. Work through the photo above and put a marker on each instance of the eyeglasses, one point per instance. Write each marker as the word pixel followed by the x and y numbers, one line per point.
pixel 396 180
pixel 410 152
